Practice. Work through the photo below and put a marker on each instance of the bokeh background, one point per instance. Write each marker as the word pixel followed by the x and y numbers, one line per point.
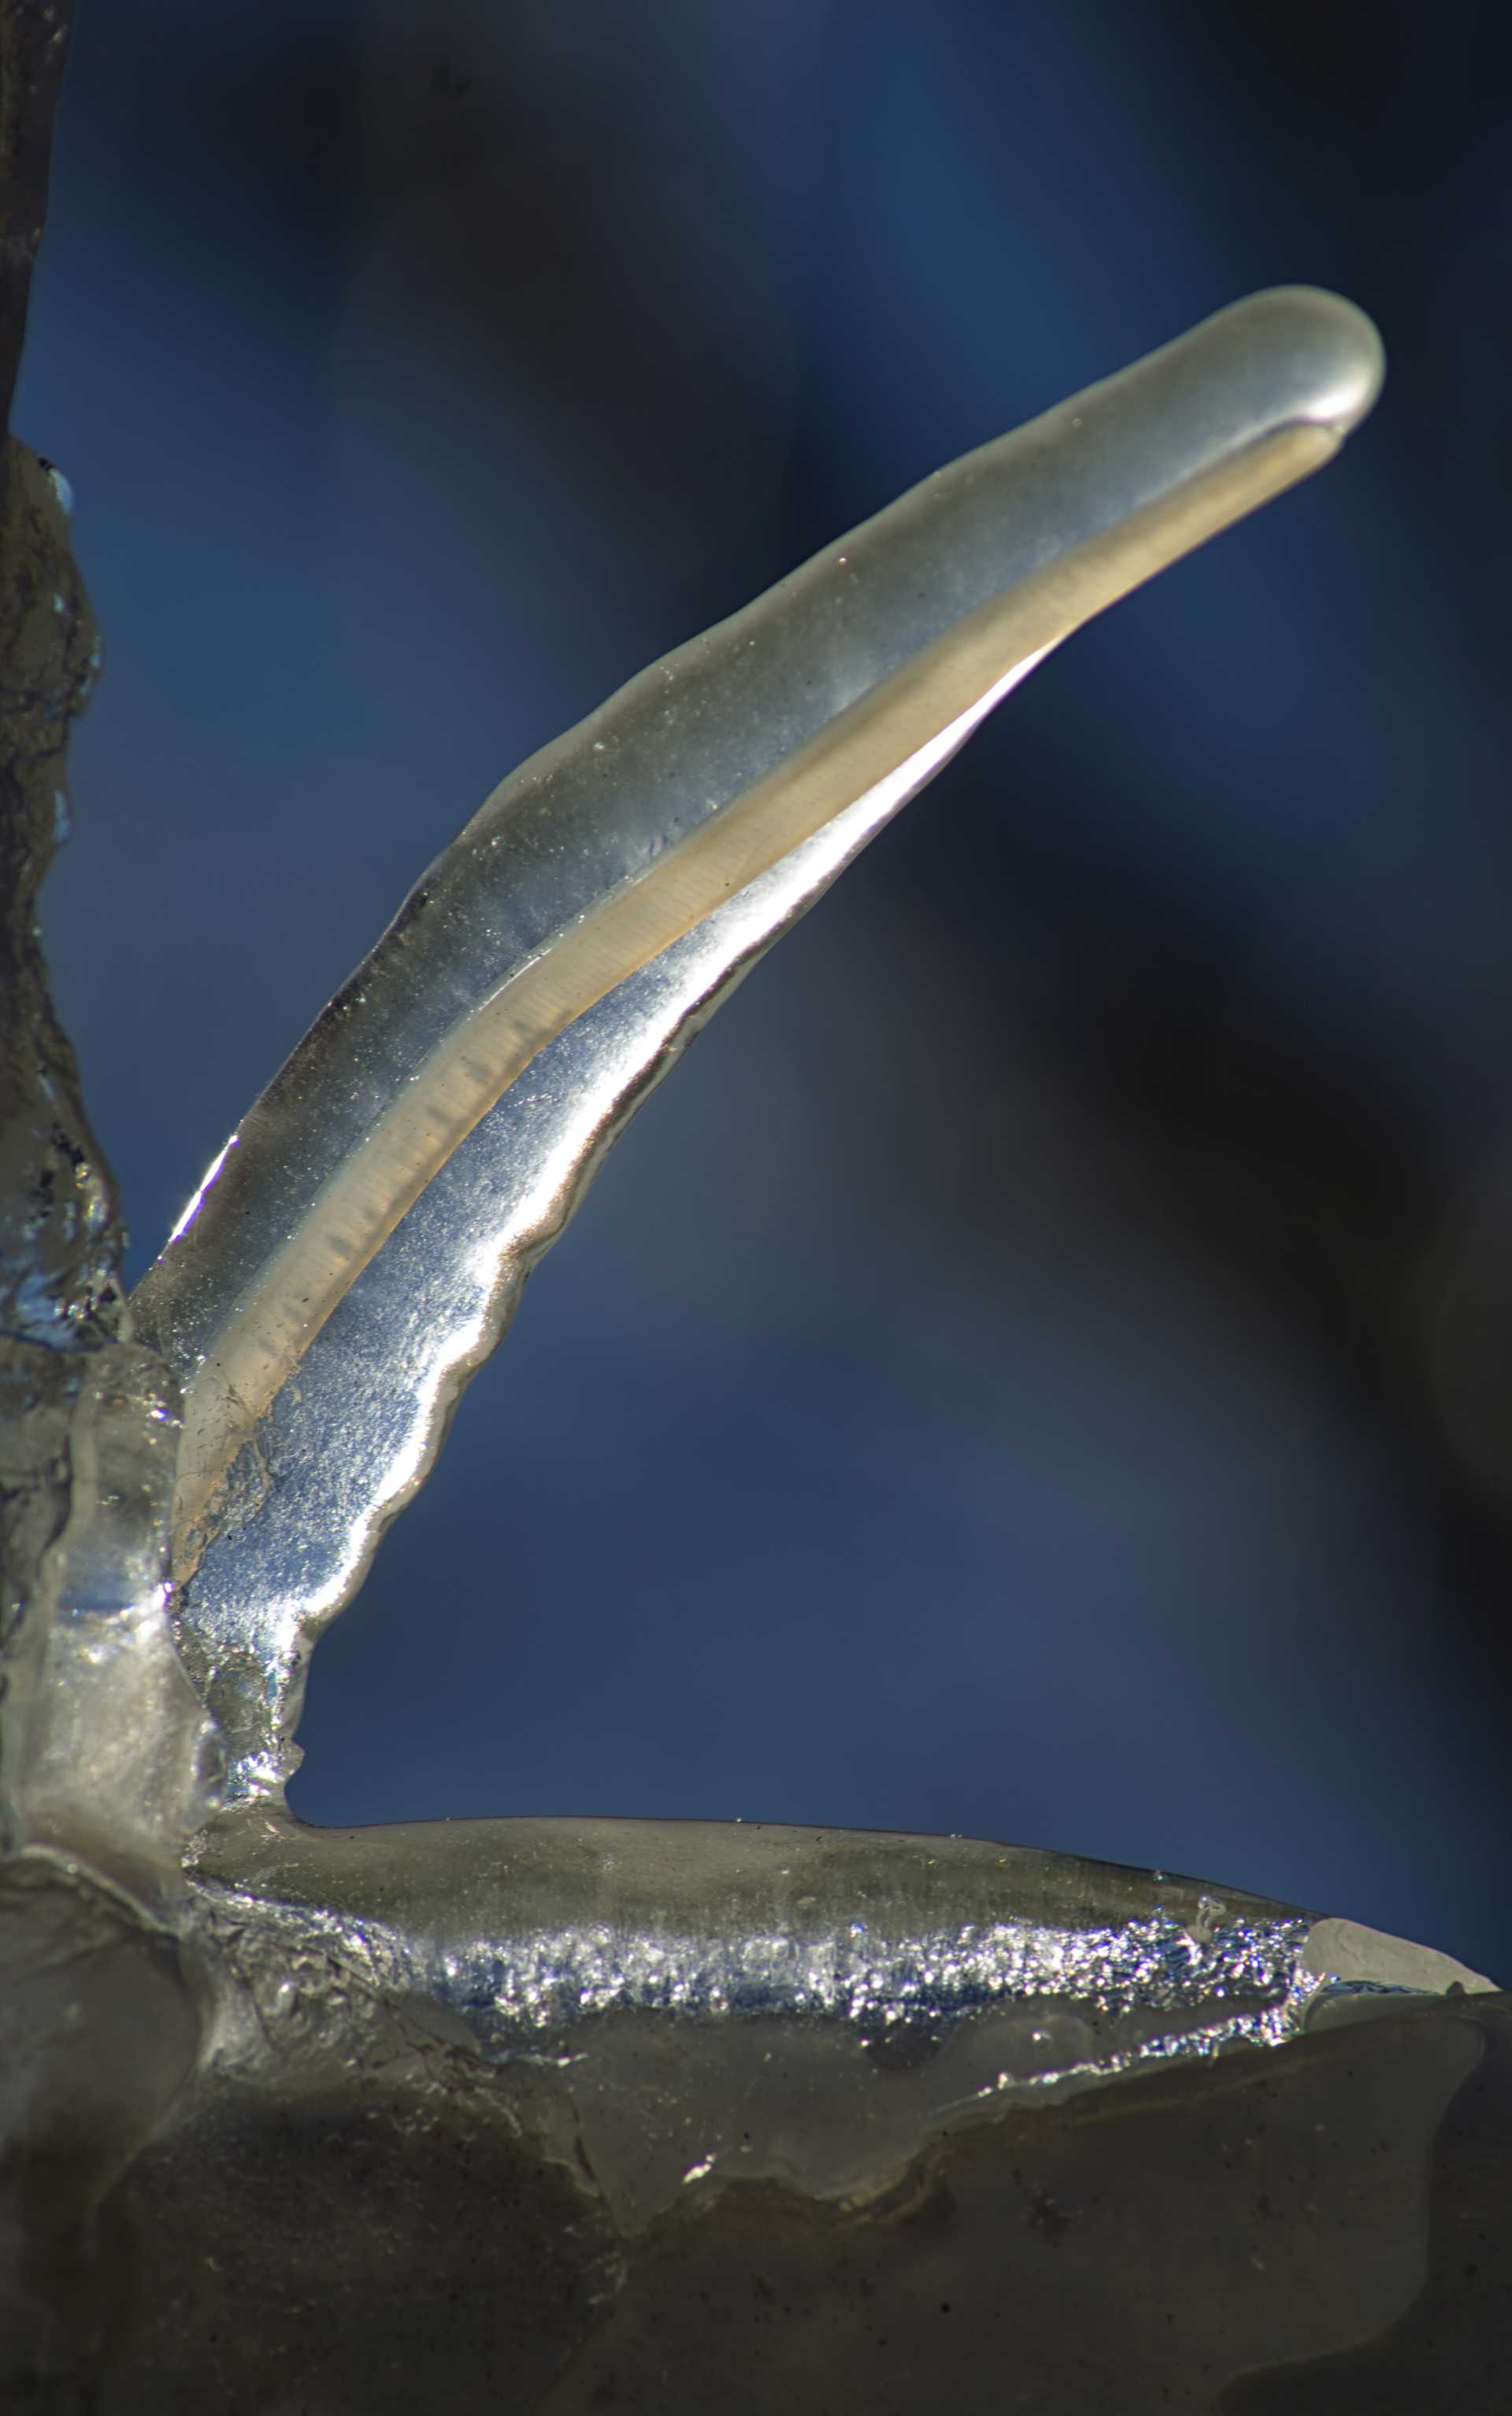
pixel 1040 1369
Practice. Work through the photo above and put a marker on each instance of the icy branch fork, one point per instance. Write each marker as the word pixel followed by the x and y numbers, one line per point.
pixel 357 1248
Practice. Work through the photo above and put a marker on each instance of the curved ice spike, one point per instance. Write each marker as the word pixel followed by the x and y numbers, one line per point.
pixel 549 967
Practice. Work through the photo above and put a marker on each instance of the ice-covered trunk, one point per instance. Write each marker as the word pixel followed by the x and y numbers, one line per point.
pixel 59 1302
pixel 101 1737
pixel 104 1744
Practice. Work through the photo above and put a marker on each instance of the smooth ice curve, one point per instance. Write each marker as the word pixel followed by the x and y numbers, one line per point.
pixel 598 907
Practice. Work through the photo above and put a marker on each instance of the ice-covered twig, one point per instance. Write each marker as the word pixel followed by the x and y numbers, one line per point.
pixel 320 1304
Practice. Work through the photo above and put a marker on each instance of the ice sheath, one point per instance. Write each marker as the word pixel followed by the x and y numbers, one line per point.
pixel 359 1245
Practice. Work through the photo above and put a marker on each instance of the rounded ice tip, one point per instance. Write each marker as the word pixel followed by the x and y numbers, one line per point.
pixel 1323 352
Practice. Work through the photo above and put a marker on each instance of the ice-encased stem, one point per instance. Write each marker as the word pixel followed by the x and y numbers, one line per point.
pixel 552 961
pixel 867 667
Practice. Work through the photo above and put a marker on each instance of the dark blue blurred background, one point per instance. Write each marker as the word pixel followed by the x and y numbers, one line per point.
pixel 1041 1367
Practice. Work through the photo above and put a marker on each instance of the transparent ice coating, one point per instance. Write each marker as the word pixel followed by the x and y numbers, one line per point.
pixel 321 1306
pixel 122 1762
pixel 684 2008
pixel 635 2113
pixel 359 2209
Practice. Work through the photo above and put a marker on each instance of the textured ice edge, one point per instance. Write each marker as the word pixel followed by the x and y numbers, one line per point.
pixel 1224 1980
pixel 824 2061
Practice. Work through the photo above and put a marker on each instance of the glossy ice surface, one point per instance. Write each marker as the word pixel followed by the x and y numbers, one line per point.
pixel 558 2115
pixel 360 1244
